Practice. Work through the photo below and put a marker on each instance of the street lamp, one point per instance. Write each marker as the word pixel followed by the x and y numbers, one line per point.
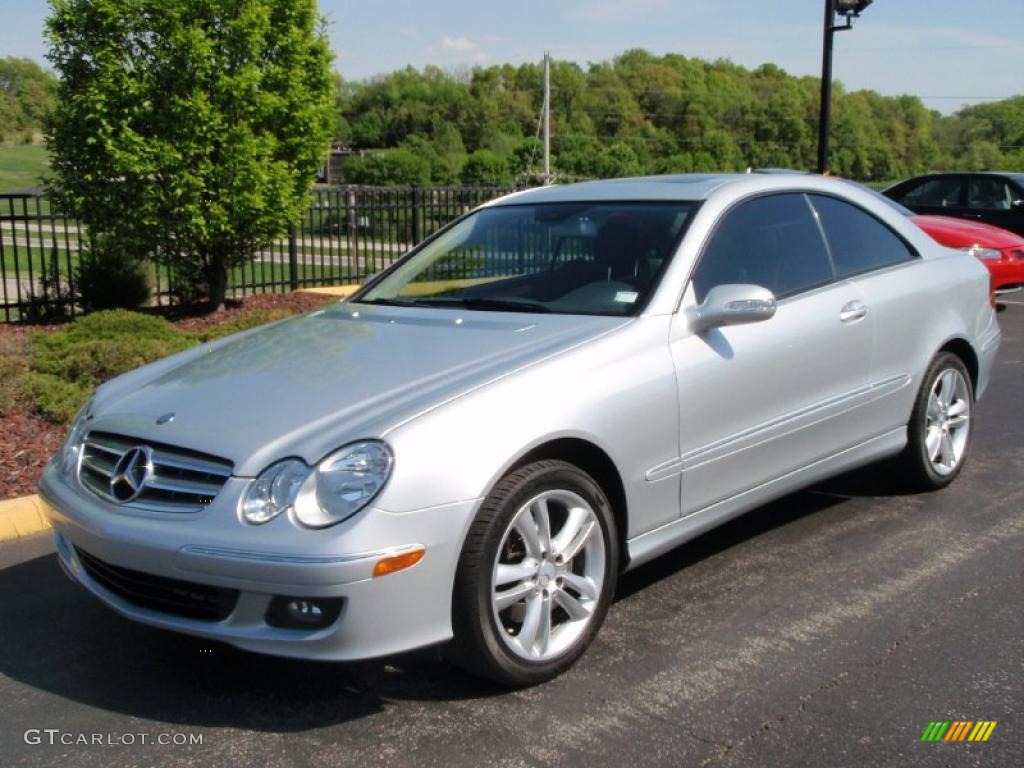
pixel 848 10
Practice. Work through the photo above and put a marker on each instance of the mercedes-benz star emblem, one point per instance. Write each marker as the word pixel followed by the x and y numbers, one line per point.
pixel 130 474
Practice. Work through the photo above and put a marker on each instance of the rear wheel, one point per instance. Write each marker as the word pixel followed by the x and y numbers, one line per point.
pixel 940 427
pixel 536 575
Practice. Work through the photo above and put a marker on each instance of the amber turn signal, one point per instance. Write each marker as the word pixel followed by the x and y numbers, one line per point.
pixel 399 562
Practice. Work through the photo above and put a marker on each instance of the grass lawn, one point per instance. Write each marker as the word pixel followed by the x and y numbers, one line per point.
pixel 22 165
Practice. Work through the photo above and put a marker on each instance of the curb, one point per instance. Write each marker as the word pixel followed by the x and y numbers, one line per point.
pixel 342 291
pixel 22 517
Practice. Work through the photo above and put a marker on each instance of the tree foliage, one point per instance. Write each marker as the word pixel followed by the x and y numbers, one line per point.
pixel 26 95
pixel 190 130
pixel 641 113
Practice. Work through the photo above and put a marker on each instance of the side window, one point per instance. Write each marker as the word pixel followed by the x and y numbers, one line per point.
pixel 769 241
pixel 988 193
pixel 943 192
pixel 859 242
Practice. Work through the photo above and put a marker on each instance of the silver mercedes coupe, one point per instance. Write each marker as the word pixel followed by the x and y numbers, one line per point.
pixel 555 388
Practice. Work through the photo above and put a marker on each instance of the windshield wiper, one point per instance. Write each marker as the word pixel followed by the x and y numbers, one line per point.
pixel 487 304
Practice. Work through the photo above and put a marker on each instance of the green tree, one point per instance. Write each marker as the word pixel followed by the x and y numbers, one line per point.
pixel 673 113
pixel 485 167
pixel 26 95
pixel 189 129
pixel 394 166
pixel 619 160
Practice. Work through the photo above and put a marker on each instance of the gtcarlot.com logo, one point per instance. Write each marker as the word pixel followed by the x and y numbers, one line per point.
pixel 55 736
pixel 958 730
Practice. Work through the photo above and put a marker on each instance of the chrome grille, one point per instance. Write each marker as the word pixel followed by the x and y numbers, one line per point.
pixel 174 479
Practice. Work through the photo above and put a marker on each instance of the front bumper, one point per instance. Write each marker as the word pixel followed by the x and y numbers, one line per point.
pixel 380 616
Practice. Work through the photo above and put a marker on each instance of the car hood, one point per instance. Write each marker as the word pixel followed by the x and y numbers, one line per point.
pixel 958 233
pixel 305 386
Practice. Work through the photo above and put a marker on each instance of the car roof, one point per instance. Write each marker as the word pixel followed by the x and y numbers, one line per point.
pixel 686 186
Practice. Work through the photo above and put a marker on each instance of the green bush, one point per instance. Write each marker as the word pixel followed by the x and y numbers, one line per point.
pixel 244 322
pixel 12 368
pixel 67 365
pixel 54 398
pixel 110 278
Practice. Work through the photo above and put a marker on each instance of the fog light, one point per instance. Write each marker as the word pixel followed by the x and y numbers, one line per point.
pixel 398 562
pixel 303 612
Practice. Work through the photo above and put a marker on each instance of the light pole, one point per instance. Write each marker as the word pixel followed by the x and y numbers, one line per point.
pixel 848 9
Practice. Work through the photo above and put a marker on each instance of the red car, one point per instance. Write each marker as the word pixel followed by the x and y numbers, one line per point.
pixel 1000 250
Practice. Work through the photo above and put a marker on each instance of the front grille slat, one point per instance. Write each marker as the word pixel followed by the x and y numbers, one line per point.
pixel 184 465
pixel 177 480
pixel 159 593
pixel 109 449
pixel 189 486
pixel 95 464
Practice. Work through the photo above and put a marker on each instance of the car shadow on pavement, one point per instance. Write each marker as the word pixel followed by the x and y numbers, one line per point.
pixel 58 639
pixel 869 481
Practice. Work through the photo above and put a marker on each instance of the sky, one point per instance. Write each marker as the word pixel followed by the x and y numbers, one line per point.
pixel 948 52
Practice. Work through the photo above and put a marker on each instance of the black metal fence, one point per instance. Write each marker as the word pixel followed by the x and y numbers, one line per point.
pixel 345 234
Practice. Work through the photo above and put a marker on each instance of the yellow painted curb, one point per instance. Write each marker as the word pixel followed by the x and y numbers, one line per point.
pixel 344 291
pixel 426 288
pixel 21 517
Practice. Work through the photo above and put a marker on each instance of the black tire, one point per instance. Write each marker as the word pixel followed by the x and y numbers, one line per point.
pixel 476 646
pixel 912 469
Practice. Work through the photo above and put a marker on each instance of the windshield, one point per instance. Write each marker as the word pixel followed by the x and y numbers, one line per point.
pixel 568 258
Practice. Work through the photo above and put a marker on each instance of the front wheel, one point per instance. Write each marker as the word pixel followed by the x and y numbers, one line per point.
pixel 940 427
pixel 536 575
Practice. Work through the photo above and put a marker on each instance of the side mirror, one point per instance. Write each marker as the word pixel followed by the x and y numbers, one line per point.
pixel 1017 205
pixel 734 305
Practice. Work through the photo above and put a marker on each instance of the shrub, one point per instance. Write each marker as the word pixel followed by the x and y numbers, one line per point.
pixel 111 278
pixel 12 366
pixel 67 365
pixel 54 398
pixel 244 322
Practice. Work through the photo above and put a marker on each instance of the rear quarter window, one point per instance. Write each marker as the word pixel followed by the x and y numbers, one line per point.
pixel 858 241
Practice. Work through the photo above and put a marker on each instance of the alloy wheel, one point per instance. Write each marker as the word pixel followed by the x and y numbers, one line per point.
pixel 548 575
pixel 947 421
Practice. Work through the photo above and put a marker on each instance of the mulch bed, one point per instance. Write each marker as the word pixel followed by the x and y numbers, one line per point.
pixel 28 441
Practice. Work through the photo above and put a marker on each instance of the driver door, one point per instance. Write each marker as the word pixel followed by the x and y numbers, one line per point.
pixel 762 400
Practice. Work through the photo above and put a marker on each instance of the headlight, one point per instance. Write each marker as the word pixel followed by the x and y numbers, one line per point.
pixel 337 488
pixel 343 483
pixel 986 254
pixel 274 491
pixel 73 444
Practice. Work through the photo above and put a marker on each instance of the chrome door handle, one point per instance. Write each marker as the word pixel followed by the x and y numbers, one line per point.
pixel 852 310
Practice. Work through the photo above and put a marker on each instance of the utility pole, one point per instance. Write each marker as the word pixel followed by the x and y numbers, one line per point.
pixel 547 118
pixel 849 10
pixel 825 117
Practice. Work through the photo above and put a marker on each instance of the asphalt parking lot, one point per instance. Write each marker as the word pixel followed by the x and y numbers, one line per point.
pixel 826 629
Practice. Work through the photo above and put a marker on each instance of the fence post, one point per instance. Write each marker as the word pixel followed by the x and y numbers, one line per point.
pixel 417 205
pixel 293 258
